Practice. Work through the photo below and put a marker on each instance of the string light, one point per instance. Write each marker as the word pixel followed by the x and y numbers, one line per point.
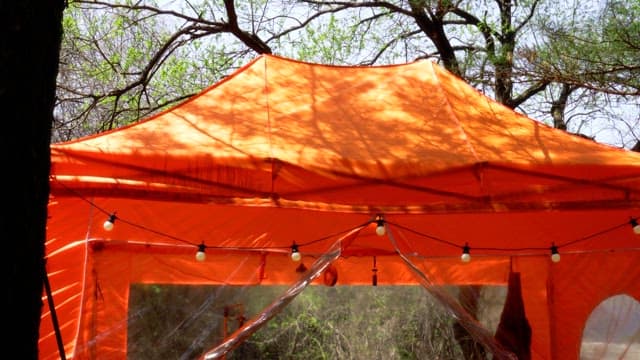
pixel 108 224
pixel 555 255
pixel 380 230
pixel 465 257
pixel 200 255
pixel 295 253
pixel 635 226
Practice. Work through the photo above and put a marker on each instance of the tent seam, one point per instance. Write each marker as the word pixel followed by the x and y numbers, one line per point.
pixel 266 97
pixel 454 116
pixel 84 283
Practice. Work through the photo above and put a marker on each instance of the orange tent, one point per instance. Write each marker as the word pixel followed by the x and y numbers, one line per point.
pixel 284 152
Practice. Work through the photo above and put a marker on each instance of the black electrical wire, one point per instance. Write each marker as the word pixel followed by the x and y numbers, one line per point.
pixel 54 316
pixel 302 244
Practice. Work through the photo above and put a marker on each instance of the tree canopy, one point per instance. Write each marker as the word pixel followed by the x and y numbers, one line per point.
pixel 572 65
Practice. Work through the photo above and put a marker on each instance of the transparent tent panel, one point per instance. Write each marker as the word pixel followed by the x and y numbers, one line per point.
pixel 612 330
pixel 346 322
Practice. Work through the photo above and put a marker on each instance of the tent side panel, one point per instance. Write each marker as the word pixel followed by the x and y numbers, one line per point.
pixel 534 273
pixel 104 319
pixel 581 282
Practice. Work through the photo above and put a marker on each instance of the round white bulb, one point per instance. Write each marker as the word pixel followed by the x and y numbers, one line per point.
pixel 108 225
pixel 296 256
pixel 636 229
pixel 555 257
pixel 201 256
pixel 380 230
pixel 465 257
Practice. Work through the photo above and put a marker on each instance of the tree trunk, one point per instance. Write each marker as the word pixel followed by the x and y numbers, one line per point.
pixel 559 106
pixel 29 50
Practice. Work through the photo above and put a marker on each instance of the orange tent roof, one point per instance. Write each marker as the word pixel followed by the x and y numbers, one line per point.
pixel 299 132
pixel 284 151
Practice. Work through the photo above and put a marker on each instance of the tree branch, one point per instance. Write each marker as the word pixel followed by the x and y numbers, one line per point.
pixel 367 4
pixel 434 30
pixel 251 40
pixel 528 93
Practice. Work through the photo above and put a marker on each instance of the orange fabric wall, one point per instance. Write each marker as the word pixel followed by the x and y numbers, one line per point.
pixel 578 284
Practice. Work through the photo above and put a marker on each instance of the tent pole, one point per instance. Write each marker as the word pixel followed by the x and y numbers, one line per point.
pixel 54 317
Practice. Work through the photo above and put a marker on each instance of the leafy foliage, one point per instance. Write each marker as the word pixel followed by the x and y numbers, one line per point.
pixel 341 322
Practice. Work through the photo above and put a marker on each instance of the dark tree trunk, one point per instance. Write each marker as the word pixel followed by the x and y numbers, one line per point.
pixel 29 49
pixel 559 106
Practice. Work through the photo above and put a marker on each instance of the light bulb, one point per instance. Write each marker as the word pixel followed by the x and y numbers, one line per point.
pixel 200 255
pixel 296 256
pixel 555 255
pixel 295 253
pixel 108 224
pixel 465 257
pixel 380 230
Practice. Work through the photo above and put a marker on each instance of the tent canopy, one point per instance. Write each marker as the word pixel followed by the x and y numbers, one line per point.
pixel 284 152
